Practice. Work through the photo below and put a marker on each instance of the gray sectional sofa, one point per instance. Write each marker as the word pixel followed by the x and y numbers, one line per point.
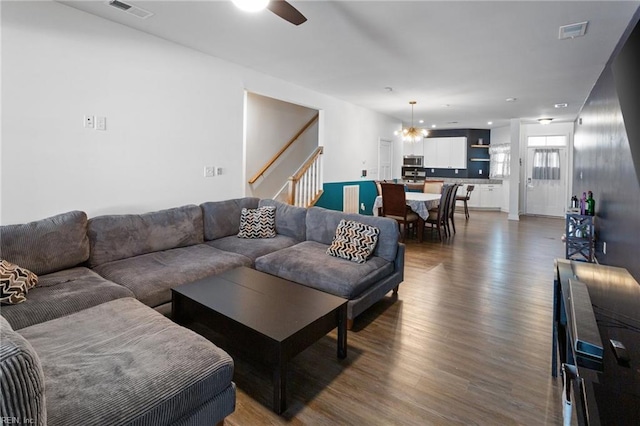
pixel 86 343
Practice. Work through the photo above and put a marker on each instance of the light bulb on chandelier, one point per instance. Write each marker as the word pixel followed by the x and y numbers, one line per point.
pixel 412 134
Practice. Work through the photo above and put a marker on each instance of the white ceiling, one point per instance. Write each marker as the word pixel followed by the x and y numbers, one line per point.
pixel 459 60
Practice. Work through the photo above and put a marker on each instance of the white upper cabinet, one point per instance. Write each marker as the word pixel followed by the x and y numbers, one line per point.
pixel 445 153
pixel 413 148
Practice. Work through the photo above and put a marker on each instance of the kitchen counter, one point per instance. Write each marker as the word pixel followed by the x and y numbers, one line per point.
pixel 462 181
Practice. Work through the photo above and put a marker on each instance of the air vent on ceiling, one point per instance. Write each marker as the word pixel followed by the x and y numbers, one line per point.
pixel 573 30
pixel 130 9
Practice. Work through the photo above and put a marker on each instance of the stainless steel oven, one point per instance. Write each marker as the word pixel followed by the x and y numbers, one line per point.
pixel 412 161
pixel 413 174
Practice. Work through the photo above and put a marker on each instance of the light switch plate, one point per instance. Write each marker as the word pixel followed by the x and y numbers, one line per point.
pixel 101 123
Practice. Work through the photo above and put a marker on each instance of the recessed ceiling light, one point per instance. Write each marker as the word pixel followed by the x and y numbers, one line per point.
pixel 433 126
pixel 388 89
pixel 446 106
pixel 420 121
pixel 489 123
pixel 562 105
pixel 452 122
pixel 544 120
pixel 511 99
pixel 251 5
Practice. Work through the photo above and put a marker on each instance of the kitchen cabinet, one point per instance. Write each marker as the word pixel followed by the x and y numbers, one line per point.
pixel 413 148
pixel 484 196
pixel 490 196
pixel 445 153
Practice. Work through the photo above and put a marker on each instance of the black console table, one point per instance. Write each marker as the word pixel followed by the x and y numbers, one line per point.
pixel 607 389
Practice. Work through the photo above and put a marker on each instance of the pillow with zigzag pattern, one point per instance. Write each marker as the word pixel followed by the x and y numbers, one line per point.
pixel 354 241
pixel 15 282
pixel 258 223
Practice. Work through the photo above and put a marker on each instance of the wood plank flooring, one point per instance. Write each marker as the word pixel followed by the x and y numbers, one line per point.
pixel 467 342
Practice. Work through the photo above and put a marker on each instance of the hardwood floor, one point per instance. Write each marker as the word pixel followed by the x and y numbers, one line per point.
pixel 468 341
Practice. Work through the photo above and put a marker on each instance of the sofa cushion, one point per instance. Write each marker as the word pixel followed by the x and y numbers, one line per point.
pixel 353 241
pixel 290 220
pixel 115 237
pixel 307 263
pixel 47 245
pixel 22 385
pixel 252 249
pixel 151 276
pixel 123 363
pixel 322 224
pixel 15 282
pixel 62 293
pixel 222 218
pixel 258 223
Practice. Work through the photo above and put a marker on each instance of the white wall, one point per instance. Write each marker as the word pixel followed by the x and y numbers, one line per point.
pixel 170 111
pixel 502 136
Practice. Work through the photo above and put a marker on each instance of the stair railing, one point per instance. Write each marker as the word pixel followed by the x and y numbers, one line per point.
pixel 305 186
pixel 273 159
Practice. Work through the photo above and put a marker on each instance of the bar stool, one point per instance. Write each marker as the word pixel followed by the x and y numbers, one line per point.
pixel 466 198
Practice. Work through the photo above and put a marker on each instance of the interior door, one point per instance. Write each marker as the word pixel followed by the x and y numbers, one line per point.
pixel 385 160
pixel 546 194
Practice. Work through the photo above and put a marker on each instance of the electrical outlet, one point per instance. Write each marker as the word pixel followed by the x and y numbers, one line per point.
pixel 480 171
pixel 362 206
pixel 89 121
pixel 218 171
pixel 209 171
pixel 456 171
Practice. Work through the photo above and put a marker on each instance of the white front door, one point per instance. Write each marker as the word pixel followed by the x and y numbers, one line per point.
pixel 546 181
pixel 385 160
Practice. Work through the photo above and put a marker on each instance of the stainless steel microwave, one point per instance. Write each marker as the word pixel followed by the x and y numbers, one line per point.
pixel 412 161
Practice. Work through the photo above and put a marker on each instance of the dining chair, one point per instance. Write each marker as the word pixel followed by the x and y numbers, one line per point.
pixel 433 186
pixel 394 205
pixel 451 208
pixel 438 217
pixel 466 198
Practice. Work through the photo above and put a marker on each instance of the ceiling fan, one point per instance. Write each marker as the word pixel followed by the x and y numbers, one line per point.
pixel 281 8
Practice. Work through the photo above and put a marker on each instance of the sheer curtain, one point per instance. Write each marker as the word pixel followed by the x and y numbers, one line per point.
pixel 500 159
pixel 546 164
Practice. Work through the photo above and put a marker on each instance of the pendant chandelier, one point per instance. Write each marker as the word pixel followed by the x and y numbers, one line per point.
pixel 412 134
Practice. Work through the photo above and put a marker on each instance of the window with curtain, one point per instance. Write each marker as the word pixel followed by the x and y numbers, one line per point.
pixel 500 158
pixel 546 164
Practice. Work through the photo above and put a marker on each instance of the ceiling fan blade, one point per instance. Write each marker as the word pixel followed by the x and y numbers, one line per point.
pixel 287 12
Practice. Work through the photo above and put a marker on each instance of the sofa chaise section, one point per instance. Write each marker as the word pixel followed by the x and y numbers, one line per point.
pixel 123 363
pixel 362 284
pixel 152 252
pixel 54 248
pixel 222 222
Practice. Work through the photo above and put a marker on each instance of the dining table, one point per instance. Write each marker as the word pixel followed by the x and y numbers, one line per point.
pixel 420 202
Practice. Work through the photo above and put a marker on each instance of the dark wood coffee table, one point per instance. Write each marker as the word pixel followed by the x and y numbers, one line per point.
pixel 268 317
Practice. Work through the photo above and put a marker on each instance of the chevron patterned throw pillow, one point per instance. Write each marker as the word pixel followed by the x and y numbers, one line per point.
pixel 258 223
pixel 15 282
pixel 354 241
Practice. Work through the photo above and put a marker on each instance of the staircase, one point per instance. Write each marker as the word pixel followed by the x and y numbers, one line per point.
pixel 304 187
